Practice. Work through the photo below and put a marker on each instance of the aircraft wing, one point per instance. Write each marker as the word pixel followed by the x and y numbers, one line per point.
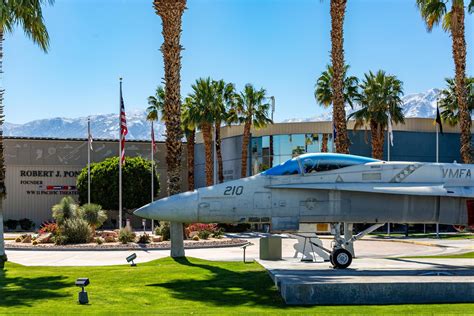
pixel 435 189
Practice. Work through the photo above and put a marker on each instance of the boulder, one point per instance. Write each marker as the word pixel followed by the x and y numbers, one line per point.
pixel 45 238
pixel 27 239
pixel 109 233
pixel 157 238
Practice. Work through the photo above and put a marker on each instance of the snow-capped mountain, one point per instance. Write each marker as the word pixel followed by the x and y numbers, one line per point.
pixel 414 105
pixel 105 126
pixel 102 126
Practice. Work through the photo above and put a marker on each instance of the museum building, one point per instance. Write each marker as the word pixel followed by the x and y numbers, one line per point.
pixel 40 171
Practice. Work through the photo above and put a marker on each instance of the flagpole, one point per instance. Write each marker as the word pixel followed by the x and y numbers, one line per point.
pixel 120 158
pixel 89 160
pixel 152 176
pixel 437 143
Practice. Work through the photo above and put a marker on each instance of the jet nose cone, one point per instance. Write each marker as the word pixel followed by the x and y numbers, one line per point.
pixel 177 208
pixel 143 211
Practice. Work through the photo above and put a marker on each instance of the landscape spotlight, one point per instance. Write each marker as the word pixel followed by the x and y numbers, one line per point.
pixel 83 282
pixel 132 257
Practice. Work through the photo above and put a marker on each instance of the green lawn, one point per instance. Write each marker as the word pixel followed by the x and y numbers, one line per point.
pixel 168 286
pixel 458 236
pixel 467 255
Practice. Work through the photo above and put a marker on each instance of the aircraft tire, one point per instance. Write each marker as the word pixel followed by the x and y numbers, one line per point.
pixel 341 258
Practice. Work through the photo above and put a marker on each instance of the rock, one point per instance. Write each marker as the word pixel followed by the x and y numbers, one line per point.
pixel 45 238
pixel 109 239
pixel 109 233
pixel 157 238
pixel 27 239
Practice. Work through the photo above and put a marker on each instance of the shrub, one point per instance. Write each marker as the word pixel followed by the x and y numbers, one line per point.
pixel 65 209
pixel 219 233
pixel 11 224
pixel 26 224
pixel 59 239
pixel 99 240
pixel 163 230
pixel 104 179
pixel 109 238
pixel 126 236
pixel 35 242
pixel 76 231
pixel 204 234
pixel 144 239
pixel 196 238
pixel 3 259
pixel 93 214
pixel 49 227
pixel 18 239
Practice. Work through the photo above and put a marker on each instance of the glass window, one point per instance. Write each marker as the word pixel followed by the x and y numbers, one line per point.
pixel 289 167
pixel 276 146
pixel 312 143
pixel 324 162
pixel 285 145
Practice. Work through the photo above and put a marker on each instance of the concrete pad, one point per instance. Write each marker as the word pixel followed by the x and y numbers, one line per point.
pixel 374 281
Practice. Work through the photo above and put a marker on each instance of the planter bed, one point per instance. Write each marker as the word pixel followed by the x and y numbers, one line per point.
pixel 164 245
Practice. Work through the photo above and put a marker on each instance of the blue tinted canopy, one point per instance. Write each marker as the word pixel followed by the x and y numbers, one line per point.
pixel 316 162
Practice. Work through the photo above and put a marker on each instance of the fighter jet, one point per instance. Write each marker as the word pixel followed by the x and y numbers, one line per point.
pixel 331 188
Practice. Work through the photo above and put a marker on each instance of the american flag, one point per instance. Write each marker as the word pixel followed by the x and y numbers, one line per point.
pixel 123 127
pixel 153 144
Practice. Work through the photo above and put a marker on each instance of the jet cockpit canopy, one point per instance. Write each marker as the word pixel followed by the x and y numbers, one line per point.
pixel 316 162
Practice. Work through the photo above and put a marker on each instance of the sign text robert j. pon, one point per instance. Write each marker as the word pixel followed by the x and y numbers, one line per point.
pixel 50 173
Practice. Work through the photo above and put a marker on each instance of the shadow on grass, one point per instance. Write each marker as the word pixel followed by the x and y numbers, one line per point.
pixel 225 287
pixel 23 291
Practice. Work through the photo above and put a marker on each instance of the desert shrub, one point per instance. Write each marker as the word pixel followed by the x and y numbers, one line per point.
pixel 204 234
pixel 18 239
pixel 76 231
pixel 11 224
pixel 99 240
pixel 163 230
pixel 219 233
pixel 26 224
pixel 49 227
pixel 65 209
pixel 59 239
pixel 34 243
pixel 109 239
pixel 93 214
pixel 144 239
pixel 126 236
pixel 196 238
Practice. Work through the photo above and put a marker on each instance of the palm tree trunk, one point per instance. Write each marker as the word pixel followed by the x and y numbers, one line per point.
pixel 245 147
pixel 338 8
pixel 171 12
pixel 220 168
pixel 324 143
pixel 459 56
pixel 2 162
pixel 190 141
pixel 376 142
pixel 207 135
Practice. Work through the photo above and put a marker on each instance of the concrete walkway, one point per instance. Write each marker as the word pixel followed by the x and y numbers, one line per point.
pixel 369 248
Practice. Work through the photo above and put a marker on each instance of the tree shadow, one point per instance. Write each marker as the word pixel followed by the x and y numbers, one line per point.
pixel 225 287
pixel 23 291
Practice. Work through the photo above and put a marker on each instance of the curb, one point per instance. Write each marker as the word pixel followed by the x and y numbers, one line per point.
pixel 237 244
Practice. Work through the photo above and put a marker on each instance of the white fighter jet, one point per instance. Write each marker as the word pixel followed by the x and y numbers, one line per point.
pixel 331 188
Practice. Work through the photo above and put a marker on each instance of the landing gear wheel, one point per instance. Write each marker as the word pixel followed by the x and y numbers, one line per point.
pixel 341 258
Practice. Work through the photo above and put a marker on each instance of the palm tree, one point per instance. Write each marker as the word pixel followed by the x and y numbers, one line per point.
pixel 448 101
pixel 189 129
pixel 156 105
pixel 28 15
pixel 338 9
pixel 202 113
pixel 380 94
pixel 251 109
pixel 323 93
pixel 433 13
pixel 171 12
pixel 224 97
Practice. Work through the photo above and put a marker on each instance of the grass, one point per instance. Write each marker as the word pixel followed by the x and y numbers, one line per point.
pixel 459 236
pixel 168 286
pixel 467 255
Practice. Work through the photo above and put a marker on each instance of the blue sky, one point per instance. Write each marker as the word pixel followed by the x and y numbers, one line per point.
pixel 281 45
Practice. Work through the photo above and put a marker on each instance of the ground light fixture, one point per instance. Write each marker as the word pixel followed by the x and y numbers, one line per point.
pixel 82 283
pixel 130 258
